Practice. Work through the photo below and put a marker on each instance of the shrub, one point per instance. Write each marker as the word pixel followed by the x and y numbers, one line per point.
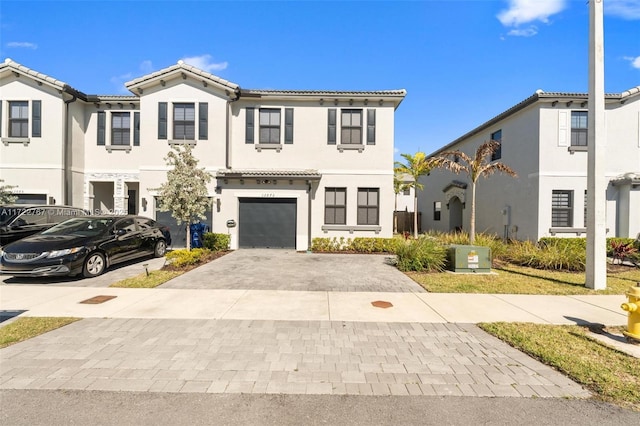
pixel 615 244
pixel 216 242
pixel 324 245
pixel 184 257
pixel 569 243
pixel 569 256
pixel 496 244
pixel 422 254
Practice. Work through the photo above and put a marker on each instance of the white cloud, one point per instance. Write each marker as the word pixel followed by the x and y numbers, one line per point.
pixel 525 11
pixel 119 81
pixel 635 62
pixel 22 45
pixel 146 66
pixel 204 63
pixel 524 32
pixel 626 9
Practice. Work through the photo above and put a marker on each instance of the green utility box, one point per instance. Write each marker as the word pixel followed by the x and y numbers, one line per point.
pixel 469 259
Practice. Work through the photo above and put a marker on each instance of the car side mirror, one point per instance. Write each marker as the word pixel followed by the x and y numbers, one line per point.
pixel 120 232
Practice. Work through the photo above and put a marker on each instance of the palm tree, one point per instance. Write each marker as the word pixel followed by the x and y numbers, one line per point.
pixel 475 168
pixel 398 186
pixel 416 166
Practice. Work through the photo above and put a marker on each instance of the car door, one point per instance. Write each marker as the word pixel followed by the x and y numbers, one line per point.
pixel 148 234
pixel 126 243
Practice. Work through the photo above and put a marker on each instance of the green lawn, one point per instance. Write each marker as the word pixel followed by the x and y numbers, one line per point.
pixel 25 328
pixel 612 375
pixel 153 279
pixel 511 279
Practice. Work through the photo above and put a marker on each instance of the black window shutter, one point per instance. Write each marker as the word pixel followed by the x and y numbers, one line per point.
pixel 203 126
pixel 331 131
pixel 249 128
pixel 136 129
pixel 371 127
pixel 288 125
pixel 101 127
pixel 36 119
pixel 0 117
pixel 162 120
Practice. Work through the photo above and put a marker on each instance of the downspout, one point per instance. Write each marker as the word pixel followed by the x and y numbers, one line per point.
pixel 227 162
pixel 310 184
pixel 66 154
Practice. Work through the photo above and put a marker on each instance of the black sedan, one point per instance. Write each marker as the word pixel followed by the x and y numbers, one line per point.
pixel 84 245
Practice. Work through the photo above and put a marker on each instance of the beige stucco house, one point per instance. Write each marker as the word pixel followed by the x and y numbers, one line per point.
pixel 544 139
pixel 288 165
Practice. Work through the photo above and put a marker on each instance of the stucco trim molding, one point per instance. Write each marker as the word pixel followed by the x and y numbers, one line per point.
pixel 126 148
pixel 351 147
pixel 24 141
pixel 182 142
pixel 352 228
pixel 455 189
pixel 261 146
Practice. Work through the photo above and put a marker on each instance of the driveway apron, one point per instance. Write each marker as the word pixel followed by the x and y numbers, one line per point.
pixel 262 269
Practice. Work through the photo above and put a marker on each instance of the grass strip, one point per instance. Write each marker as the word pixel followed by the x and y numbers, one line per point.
pixel 512 279
pixel 610 374
pixel 25 328
pixel 154 279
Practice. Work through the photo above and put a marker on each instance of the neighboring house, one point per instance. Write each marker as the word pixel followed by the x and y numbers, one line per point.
pixel 289 165
pixel 405 199
pixel 544 139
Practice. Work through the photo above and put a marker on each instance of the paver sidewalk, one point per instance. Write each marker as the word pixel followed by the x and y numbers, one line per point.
pixel 290 357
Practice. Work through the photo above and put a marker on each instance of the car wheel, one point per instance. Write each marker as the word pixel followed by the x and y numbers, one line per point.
pixel 160 248
pixel 94 265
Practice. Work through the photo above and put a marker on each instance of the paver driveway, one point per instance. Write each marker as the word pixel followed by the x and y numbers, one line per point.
pixel 262 269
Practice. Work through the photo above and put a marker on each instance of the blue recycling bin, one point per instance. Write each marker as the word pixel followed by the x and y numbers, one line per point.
pixel 197 231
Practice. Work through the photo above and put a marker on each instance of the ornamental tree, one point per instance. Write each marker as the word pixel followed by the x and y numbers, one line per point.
pixel 6 197
pixel 475 167
pixel 184 193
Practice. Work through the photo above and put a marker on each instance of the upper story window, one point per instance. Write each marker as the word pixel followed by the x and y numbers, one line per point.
pixel 562 208
pixel 120 128
pixel 406 191
pixel 579 128
pixel 497 137
pixel 19 119
pixel 269 125
pixel 184 121
pixel 351 122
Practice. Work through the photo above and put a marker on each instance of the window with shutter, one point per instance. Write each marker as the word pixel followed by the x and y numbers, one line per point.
pixel 36 119
pixel 203 119
pixel 19 119
pixel 184 121
pixel 120 128
pixel 249 128
pixel 331 128
pixel 371 127
pixel 162 120
pixel 101 127
pixel 288 125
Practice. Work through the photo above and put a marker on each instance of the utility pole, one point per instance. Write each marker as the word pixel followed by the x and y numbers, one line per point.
pixel 596 180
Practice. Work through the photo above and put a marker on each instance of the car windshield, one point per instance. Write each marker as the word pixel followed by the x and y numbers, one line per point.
pixel 8 213
pixel 88 227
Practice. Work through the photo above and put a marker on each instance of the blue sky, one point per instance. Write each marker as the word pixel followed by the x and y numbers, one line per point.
pixel 461 62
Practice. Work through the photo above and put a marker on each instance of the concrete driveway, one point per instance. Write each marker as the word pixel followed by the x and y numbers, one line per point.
pixel 268 269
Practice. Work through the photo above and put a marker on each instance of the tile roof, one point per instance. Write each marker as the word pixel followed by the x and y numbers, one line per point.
pixel 247 173
pixel 400 92
pixel 538 95
pixel 59 84
pixel 184 67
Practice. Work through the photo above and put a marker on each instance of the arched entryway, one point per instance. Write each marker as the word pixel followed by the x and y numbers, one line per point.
pixel 455 214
